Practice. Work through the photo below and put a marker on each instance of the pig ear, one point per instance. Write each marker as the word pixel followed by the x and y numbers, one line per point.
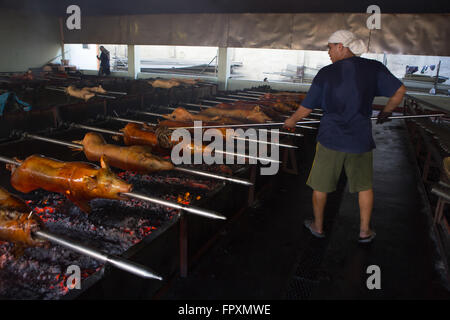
pixel 104 162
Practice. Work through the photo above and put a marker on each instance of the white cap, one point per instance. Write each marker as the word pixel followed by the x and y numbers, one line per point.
pixel 349 40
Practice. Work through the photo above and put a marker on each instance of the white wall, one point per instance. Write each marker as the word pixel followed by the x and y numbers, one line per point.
pixel 85 59
pixel 201 54
pixel 28 41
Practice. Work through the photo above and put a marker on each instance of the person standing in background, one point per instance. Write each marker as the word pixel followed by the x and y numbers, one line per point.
pixel 104 62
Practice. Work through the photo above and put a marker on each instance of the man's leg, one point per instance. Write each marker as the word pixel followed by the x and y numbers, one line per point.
pixel 319 199
pixel 324 175
pixel 359 169
pixel 365 207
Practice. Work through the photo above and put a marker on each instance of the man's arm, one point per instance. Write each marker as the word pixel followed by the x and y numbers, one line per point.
pixel 392 103
pixel 301 113
pixel 395 100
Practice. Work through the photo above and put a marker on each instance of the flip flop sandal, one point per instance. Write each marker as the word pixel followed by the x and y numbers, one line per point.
pixel 367 239
pixel 308 224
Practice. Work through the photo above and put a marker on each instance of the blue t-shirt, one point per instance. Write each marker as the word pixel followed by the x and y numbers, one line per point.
pixel 345 91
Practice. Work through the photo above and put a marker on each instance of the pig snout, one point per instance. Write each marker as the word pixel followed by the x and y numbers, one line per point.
pixel 110 185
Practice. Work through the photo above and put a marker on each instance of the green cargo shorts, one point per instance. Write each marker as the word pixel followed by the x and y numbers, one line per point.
pixel 327 167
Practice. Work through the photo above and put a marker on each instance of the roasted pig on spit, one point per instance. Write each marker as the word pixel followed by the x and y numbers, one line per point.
pixel 254 114
pixel 190 124
pixel 181 114
pixel 188 81
pixel 78 181
pixel 79 93
pixel 16 222
pixel 290 99
pixel 221 115
pixel 98 89
pixel 139 134
pixel 170 83
pixel 136 157
pixel 267 107
pixel 165 84
pixel 158 138
pixel 278 106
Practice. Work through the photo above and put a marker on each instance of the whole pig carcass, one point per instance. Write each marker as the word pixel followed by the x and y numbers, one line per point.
pixel 79 93
pixel 97 89
pixel 165 84
pixel 267 108
pixel 158 138
pixel 80 182
pixel 181 114
pixel 16 223
pixel 253 114
pixel 135 158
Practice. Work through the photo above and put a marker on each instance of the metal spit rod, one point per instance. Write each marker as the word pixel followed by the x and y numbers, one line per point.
pixel 306 127
pixel 9 161
pixel 118 262
pixel 211 175
pixel 169 108
pixel 226 99
pixel 314 121
pixel 211 101
pixel 250 95
pixel 117 92
pixel 244 156
pixel 191 209
pixel 257 92
pixel 81 126
pixel 196 105
pixel 242 96
pixel 233 137
pixel 55 141
pixel 147 113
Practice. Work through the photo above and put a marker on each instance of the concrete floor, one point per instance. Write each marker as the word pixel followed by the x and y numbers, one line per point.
pixel 267 254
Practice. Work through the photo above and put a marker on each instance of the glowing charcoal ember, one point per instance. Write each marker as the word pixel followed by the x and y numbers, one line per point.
pixel 40 273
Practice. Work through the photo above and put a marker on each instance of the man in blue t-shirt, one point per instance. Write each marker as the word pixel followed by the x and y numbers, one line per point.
pixel 345 91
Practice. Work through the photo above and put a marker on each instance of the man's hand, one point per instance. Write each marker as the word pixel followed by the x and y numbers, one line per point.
pixel 290 123
pixel 383 117
pixel 301 113
pixel 393 102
